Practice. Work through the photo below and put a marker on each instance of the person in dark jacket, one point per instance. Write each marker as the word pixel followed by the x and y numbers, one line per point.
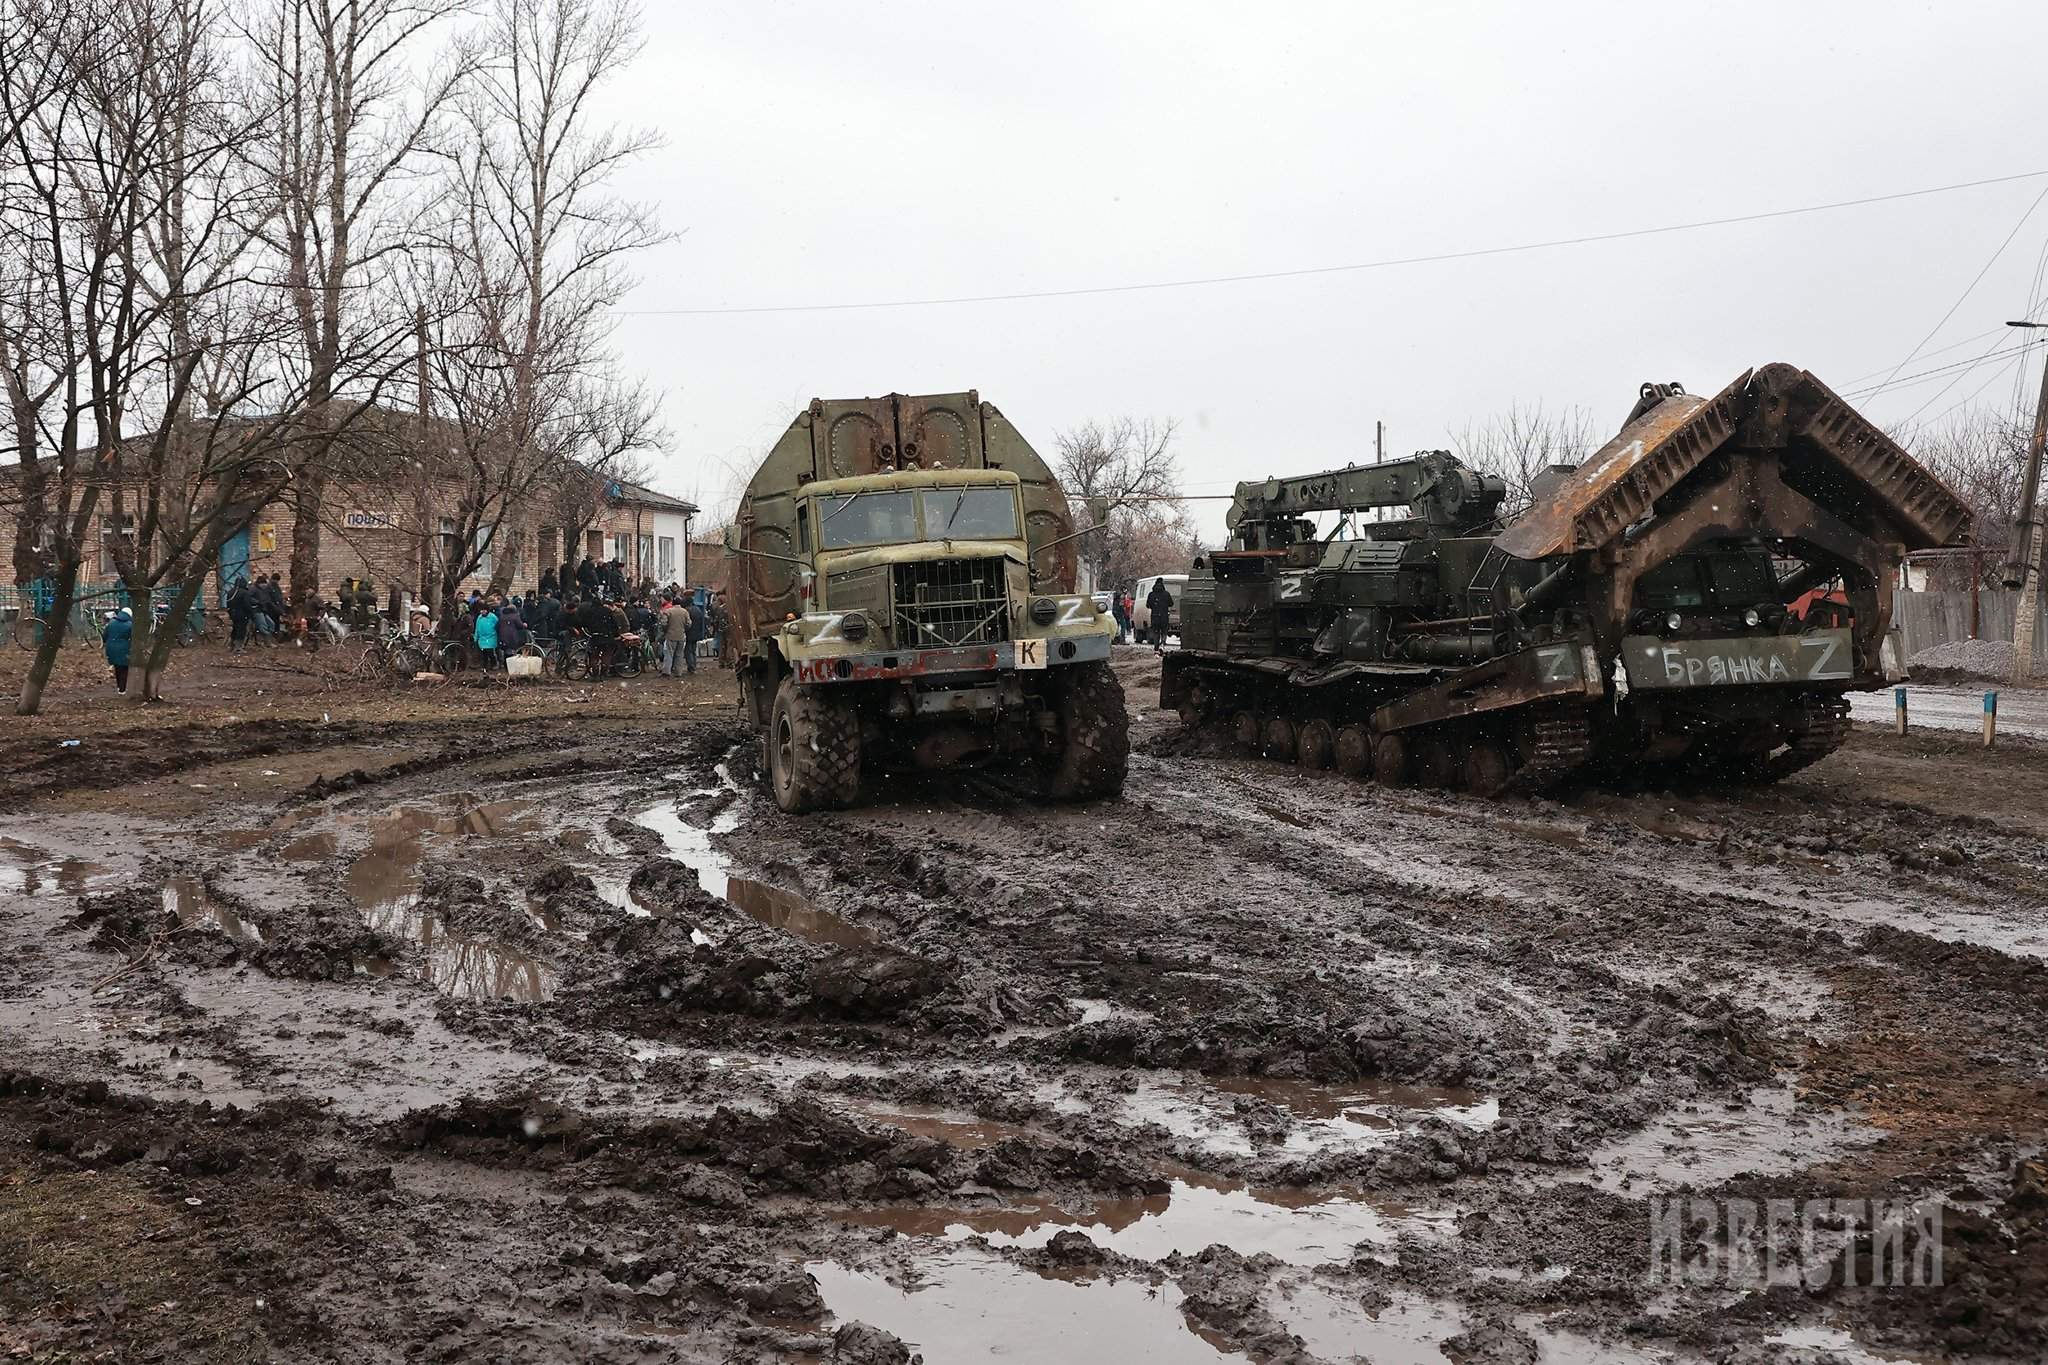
pixel 1159 602
pixel 586 577
pixel 119 632
pixel 241 611
pixel 700 627
pixel 547 581
pixel 511 627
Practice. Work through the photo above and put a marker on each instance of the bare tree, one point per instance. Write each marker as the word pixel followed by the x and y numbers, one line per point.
pixel 355 124
pixel 92 125
pixel 532 258
pixel 1521 443
pixel 1113 471
pixel 1982 455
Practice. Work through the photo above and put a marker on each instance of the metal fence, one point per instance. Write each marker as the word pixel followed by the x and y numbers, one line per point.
pixel 1935 618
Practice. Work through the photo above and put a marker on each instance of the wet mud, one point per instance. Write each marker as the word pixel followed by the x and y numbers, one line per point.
pixel 577 1049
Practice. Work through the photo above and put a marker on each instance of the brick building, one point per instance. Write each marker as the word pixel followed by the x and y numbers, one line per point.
pixel 375 530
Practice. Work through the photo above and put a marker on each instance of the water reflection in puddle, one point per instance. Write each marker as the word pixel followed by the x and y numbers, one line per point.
pixel 1408 1329
pixel 966 1306
pixel 30 871
pixel 774 906
pixel 187 898
pixel 1293 1225
pixel 384 882
pixel 1326 1117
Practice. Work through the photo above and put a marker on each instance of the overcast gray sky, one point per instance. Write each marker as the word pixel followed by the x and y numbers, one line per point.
pixel 835 153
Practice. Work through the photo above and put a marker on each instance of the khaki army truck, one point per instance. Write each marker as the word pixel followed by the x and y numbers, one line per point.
pixel 902 587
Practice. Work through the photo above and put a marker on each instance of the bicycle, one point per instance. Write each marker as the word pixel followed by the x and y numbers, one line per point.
pixel 589 658
pixel 30 631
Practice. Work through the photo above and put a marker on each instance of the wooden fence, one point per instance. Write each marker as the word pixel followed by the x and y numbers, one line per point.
pixel 1934 618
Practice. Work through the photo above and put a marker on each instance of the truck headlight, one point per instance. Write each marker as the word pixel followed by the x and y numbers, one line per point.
pixel 1673 621
pixel 1752 617
pixel 854 626
pixel 1044 611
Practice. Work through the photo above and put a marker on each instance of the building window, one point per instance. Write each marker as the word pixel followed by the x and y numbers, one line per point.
pixel 544 540
pixel 665 558
pixel 594 545
pixel 113 532
pixel 646 556
pixel 449 545
pixel 483 552
pixel 622 546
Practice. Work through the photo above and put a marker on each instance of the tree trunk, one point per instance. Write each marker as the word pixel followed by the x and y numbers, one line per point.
pixel 31 700
pixel 310 493
pixel 146 680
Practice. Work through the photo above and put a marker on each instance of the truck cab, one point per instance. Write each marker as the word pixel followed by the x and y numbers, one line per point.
pixel 906 578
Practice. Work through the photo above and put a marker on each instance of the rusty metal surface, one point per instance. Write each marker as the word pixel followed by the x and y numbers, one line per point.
pixel 1778 409
pixel 1618 486
pixel 1927 511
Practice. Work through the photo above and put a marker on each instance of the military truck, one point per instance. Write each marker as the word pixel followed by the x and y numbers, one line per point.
pixel 1636 617
pixel 902 584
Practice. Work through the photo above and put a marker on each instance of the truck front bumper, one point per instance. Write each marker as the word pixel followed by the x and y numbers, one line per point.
pixel 1022 655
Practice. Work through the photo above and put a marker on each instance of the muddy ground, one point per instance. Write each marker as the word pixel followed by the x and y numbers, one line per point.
pixel 339 1024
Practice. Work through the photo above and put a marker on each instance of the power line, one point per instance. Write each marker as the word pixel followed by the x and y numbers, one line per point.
pixel 1936 372
pixel 1340 269
pixel 1975 280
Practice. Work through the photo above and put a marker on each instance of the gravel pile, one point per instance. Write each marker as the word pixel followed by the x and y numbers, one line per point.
pixel 1986 658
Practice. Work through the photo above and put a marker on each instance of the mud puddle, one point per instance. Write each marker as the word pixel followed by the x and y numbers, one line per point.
pixel 779 908
pixel 26 870
pixel 1769 1135
pixel 1295 1226
pixel 965 1305
pixel 1205 1110
pixel 189 900
pixel 1822 1343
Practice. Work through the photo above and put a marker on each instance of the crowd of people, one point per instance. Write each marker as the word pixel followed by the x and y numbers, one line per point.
pixel 591 598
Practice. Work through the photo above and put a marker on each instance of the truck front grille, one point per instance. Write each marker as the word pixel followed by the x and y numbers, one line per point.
pixel 942 602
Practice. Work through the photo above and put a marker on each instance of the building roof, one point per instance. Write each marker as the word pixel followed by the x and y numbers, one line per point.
pixel 639 495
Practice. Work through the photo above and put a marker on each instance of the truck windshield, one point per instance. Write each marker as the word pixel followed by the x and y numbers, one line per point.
pixel 970 514
pixel 866 519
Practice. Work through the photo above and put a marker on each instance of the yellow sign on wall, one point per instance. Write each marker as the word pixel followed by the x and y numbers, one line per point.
pixel 266 538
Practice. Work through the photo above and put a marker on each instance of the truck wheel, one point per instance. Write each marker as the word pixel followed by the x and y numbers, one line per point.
pixel 1279 738
pixel 1353 752
pixel 1095 735
pixel 1390 761
pixel 1487 768
pixel 813 749
pixel 1314 744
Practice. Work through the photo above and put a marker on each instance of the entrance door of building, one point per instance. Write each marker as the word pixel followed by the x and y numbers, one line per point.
pixel 234 562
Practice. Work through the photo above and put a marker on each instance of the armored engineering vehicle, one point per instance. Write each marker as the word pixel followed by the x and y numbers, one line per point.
pixel 902 587
pixel 1635 616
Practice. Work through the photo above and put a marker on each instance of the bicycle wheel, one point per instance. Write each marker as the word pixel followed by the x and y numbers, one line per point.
pixel 576 662
pixel 407 660
pixel 29 631
pixel 629 661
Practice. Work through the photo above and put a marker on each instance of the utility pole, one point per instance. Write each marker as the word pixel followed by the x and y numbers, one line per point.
pixel 1379 442
pixel 2023 569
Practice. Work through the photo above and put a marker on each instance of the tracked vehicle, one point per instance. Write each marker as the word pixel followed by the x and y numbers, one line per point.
pixel 902 584
pixel 1635 618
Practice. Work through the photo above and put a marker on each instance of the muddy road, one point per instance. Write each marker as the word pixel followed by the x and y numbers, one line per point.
pixel 542 1036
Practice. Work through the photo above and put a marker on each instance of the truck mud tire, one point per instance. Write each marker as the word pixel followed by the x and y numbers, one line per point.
pixel 813 750
pixel 1095 737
